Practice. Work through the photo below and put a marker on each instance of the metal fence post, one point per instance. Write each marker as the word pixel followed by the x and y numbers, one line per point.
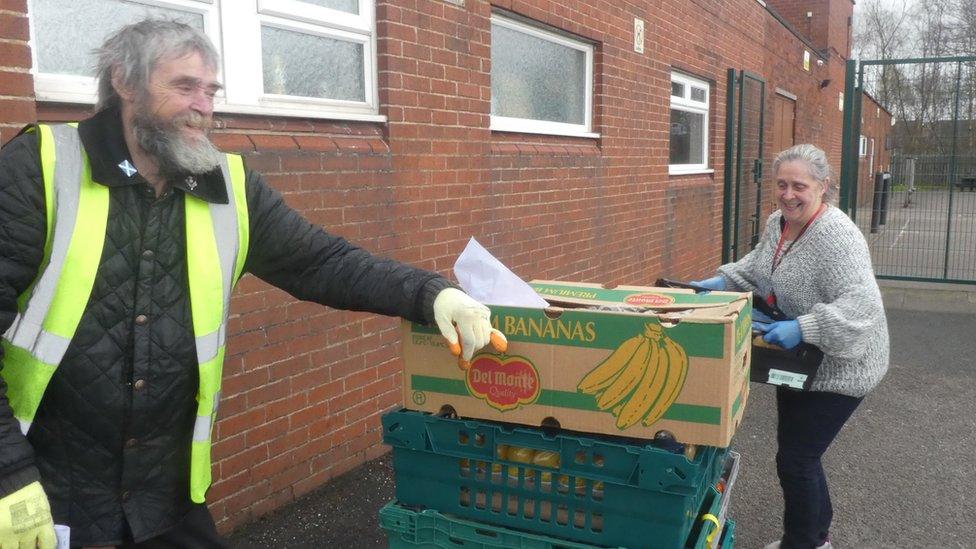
pixel 848 162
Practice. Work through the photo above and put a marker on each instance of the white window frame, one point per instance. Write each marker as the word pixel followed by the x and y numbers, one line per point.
pixel 862 146
pixel 871 156
pixel 64 88
pixel 529 125
pixel 236 33
pixel 686 104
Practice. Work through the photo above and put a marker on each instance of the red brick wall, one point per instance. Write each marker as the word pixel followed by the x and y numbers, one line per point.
pixel 794 12
pixel 827 26
pixel 17 106
pixel 818 118
pixel 875 124
pixel 304 385
pixel 839 14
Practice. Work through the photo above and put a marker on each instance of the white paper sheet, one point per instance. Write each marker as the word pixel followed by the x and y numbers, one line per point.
pixel 63 534
pixel 489 281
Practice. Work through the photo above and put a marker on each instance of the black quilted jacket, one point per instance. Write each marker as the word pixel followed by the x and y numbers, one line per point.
pixel 111 439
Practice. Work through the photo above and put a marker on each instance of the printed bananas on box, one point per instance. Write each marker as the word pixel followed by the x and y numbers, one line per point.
pixel 640 379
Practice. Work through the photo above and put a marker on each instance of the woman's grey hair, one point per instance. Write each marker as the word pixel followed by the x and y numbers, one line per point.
pixel 134 50
pixel 817 164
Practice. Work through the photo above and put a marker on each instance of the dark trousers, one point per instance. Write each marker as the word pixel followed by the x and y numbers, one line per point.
pixel 808 423
pixel 196 531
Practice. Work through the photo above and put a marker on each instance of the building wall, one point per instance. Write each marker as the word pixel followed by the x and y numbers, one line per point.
pixel 304 386
pixel 818 118
pixel 827 27
pixel 876 126
pixel 17 106
pixel 794 12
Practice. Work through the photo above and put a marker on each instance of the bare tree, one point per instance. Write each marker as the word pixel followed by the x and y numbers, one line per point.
pixel 880 32
pixel 963 25
pixel 921 96
pixel 879 29
pixel 962 21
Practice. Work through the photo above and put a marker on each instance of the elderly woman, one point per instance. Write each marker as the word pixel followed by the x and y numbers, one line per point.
pixel 813 263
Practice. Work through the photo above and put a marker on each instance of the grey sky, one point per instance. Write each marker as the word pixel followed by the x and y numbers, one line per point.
pixel 890 4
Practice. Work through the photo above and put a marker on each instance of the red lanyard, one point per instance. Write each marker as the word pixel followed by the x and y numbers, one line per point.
pixel 780 252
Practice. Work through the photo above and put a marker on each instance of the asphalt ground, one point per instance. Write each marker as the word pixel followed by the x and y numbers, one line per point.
pixel 915 240
pixel 902 473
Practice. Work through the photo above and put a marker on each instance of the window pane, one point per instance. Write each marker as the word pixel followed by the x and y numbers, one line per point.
pixel 677 89
pixel 687 130
pixel 312 66
pixel 697 94
pixel 351 6
pixel 66 31
pixel 536 79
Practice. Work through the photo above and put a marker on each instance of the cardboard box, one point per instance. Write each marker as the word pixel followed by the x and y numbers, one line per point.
pixel 682 358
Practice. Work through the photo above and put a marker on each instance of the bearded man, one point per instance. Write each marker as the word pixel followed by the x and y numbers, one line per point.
pixel 121 239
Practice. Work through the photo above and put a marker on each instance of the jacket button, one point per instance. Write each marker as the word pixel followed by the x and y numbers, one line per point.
pixel 148 254
pixel 142 319
pixel 131 443
pixel 125 496
pixel 140 384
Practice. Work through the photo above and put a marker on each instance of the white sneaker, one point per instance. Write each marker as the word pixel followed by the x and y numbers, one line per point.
pixel 775 545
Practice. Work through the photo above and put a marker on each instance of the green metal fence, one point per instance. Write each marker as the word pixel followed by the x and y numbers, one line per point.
pixel 918 209
pixel 745 120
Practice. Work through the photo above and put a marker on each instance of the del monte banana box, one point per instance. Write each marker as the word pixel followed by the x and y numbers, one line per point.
pixel 625 361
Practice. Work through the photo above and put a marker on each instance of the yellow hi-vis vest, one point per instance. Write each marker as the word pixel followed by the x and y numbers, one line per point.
pixel 50 310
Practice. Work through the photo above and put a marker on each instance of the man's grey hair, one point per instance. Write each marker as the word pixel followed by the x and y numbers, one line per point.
pixel 134 50
pixel 817 165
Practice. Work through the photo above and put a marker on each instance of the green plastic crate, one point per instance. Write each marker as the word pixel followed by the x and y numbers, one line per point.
pixel 604 491
pixel 430 529
pixel 717 505
pixel 704 529
pixel 728 535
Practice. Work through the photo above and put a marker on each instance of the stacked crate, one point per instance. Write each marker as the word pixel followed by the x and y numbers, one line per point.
pixel 606 371
pixel 476 483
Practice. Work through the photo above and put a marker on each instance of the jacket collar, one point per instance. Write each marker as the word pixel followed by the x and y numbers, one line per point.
pixel 111 164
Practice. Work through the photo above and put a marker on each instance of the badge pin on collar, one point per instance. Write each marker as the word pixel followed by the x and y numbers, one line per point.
pixel 127 168
pixel 191 183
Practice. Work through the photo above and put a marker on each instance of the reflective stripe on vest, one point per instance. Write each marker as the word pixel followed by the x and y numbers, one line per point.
pixel 49 312
pixel 219 245
pixel 39 336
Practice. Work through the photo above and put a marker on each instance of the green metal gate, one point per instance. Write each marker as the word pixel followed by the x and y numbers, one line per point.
pixel 742 207
pixel 919 214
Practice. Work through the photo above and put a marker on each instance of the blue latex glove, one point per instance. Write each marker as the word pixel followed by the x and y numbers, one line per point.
pixel 759 316
pixel 785 333
pixel 714 283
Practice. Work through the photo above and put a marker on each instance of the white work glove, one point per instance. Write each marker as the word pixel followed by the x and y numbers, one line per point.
pixel 457 314
pixel 25 519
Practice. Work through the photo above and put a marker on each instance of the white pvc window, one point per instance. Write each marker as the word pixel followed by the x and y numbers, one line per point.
pixel 871 155
pixel 688 148
pixel 862 147
pixel 314 58
pixel 541 81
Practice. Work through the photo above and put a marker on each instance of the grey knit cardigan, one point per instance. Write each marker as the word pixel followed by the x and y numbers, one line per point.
pixel 827 283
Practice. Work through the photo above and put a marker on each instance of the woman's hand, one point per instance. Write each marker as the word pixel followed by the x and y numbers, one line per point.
pixel 759 316
pixel 785 333
pixel 714 283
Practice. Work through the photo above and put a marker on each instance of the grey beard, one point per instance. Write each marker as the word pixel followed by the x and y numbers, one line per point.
pixel 175 155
